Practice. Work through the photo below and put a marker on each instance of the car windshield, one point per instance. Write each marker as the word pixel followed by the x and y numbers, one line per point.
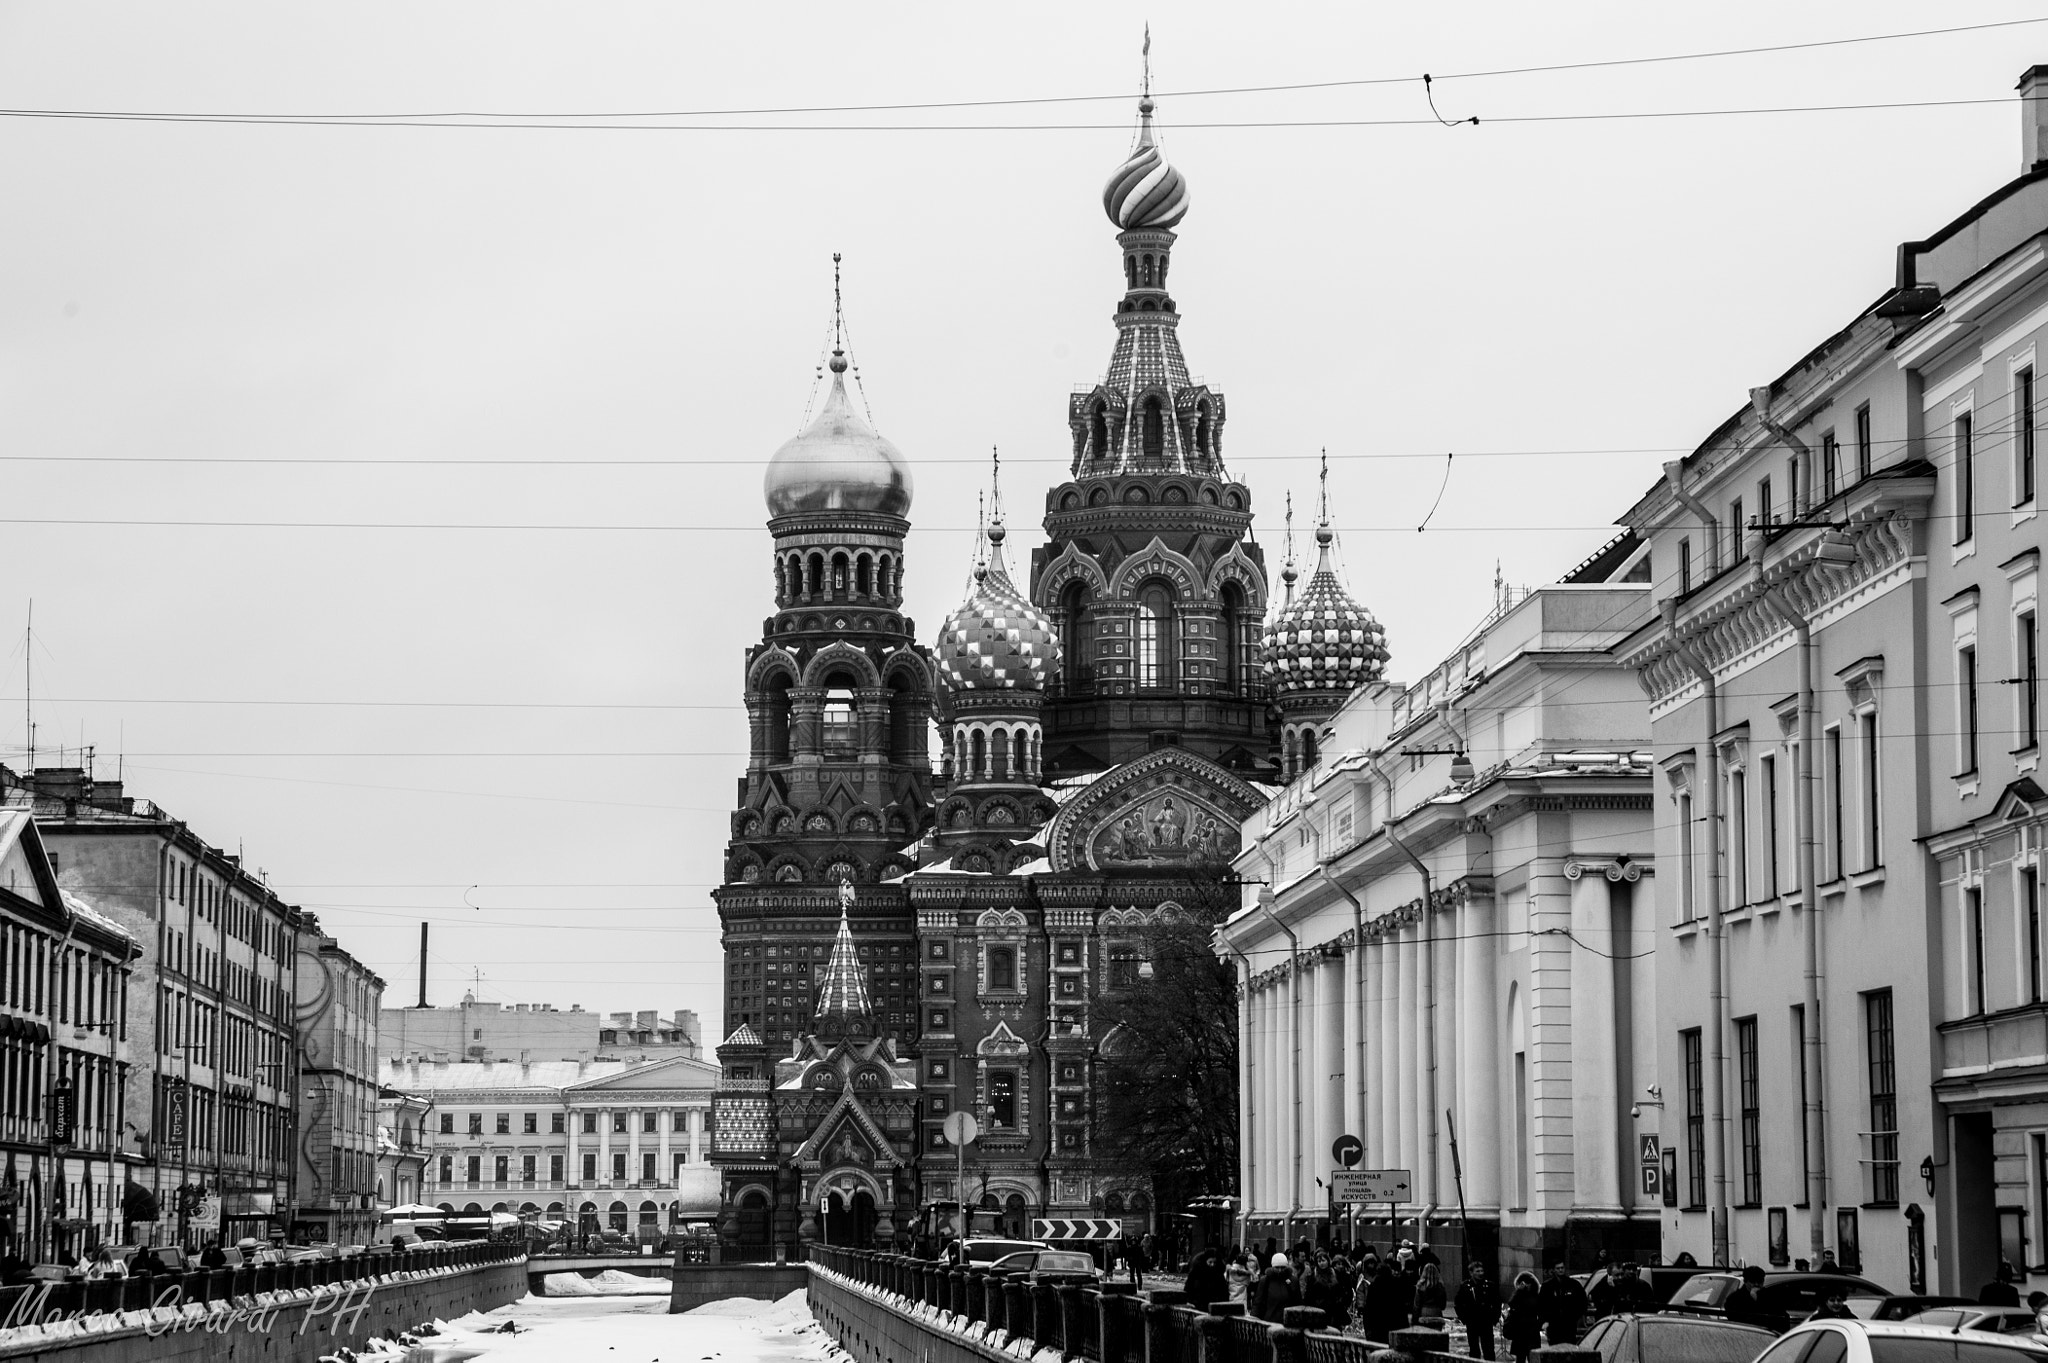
pixel 1706 1289
pixel 1938 1348
pixel 1672 1339
pixel 1804 1296
pixel 1010 1263
pixel 987 1251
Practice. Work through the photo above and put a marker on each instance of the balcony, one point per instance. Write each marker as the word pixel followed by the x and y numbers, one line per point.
pixel 2003 1050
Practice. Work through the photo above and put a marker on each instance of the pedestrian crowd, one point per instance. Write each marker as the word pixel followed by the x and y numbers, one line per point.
pixel 1373 1296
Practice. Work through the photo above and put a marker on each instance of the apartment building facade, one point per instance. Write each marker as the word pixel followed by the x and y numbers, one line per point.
pixel 1843 691
pixel 337 1006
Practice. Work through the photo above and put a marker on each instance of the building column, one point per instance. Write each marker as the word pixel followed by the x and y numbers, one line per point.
pixel 1333 1076
pixel 1480 1050
pixel 697 1135
pixel 1596 1170
pixel 1354 1072
pixel 1409 1047
pixel 663 1166
pixel 1387 1051
pixel 634 1121
pixel 604 1146
pixel 574 1172
pixel 1549 1039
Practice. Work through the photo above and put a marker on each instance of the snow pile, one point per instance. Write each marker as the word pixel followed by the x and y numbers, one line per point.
pixel 634 1329
pixel 610 1283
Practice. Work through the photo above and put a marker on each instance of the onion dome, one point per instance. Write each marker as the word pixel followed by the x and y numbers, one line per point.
pixel 1145 191
pixel 997 640
pixel 839 464
pixel 1323 640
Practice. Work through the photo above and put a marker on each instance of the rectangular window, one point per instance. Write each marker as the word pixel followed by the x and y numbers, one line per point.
pixel 650 1122
pixel 504 1123
pixel 554 1168
pixel 1966 706
pixel 2039 1141
pixel 1002 1099
pixel 1738 834
pixel 2023 436
pixel 590 1123
pixel 1684 566
pixel 1873 855
pixel 476 1123
pixel 1973 943
pixel 1688 892
pixel 447 1168
pixel 2030 915
pixel 1769 796
pixel 1831 743
pixel 501 1167
pixel 1002 968
pixel 559 1123
pixel 526 1164
pixel 1695 1119
pixel 1864 455
pixel 2029 641
pixel 589 1167
pixel 1830 464
pixel 681 1121
pixel 1735 554
pixel 447 1123
pixel 1794 489
pixel 619 1123
pixel 474 1165
pixel 648 1173
pixel 1884 1099
pixel 1966 480
pixel 1752 1113
pixel 1799 1068
pixel 1763 502
pixel 618 1166
pixel 1148 648
pixel 530 1123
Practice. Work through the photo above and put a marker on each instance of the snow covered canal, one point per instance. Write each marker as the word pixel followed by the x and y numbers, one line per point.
pixel 625 1329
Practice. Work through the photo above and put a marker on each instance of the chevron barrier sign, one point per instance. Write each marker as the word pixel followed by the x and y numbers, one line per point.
pixel 1077 1228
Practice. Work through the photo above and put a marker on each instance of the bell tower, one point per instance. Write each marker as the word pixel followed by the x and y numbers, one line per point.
pixel 1155 594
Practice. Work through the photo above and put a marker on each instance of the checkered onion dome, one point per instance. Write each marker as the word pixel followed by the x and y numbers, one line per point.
pixel 1323 640
pixel 997 640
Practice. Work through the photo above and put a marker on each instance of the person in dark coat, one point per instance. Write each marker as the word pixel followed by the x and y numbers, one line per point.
pixel 1274 1291
pixel 1478 1308
pixel 1386 1304
pixel 1563 1303
pixel 1743 1304
pixel 1206 1284
pixel 1836 1307
pixel 2000 1291
pixel 1623 1292
pixel 213 1256
pixel 148 1261
pixel 1525 1317
pixel 1326 1294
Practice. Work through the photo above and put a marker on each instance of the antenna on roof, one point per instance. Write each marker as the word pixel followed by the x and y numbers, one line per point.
pixel 28 683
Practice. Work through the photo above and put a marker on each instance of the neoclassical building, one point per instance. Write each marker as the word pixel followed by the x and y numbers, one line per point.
pixel 1103 729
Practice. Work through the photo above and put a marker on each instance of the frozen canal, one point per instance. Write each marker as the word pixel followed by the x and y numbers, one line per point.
pixel 629 1330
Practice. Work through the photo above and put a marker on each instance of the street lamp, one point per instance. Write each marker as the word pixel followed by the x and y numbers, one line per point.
pixel 1462 770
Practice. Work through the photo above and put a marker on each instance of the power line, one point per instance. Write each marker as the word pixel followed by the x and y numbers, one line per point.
pixel 499 119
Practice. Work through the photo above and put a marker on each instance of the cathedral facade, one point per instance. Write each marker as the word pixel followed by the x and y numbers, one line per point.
pixel 1103 732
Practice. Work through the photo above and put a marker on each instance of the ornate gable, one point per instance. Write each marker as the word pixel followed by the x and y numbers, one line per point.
pixel 847 1135
pixel 1171 808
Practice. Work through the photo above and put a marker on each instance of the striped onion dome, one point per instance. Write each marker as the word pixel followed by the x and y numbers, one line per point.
pixel 997 640
pixel 1145 191
pixel 1323 640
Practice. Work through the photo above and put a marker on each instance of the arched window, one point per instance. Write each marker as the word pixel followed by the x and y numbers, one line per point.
pixel 1233 635
pixel 1020 754
pixel 1155 429
pixel 839 574
pixel 1098 436
pixel 977 756
pixel 815 582
pixel 1308 749
pixel 776 717
pixel 884 583
pixel 864 575
pixel 1202 429
pixel 1075 661
pixel 1148 272
pixel 839 728
pixel 1155 638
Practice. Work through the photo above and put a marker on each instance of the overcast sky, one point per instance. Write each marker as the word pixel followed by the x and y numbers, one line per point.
pixel 250 350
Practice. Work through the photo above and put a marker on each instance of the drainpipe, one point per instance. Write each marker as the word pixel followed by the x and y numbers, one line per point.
pixel 1760 402
pixel 1674 478
pixel 1717 1062
pixel 1357 1076
pixel 1265 902
pixel 1815 1122
pixel 1428 1024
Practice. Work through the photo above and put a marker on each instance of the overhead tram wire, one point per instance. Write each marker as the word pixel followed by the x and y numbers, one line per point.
pixel 436 119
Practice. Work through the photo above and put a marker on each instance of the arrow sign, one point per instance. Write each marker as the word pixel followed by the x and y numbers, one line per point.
pixel 1077 1228
pixel 1348 1151
pixel 1372 1185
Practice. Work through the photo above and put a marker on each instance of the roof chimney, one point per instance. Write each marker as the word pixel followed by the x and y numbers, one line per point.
pixel 2033 118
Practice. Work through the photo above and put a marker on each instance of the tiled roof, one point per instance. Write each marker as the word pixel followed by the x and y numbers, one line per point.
pixel 843 1003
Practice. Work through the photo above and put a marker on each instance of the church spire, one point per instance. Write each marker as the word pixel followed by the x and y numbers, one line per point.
pixel 1289 573
pixel 843 1005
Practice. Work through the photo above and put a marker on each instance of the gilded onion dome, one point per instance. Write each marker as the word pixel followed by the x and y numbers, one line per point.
pixel 838 464
pixel 1323 640
pixel 1146 191
pixel 997 640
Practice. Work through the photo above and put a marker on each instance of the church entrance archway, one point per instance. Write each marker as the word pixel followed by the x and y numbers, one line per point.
pixel 1014 1222
pixel 850 1221
pixel 753 1245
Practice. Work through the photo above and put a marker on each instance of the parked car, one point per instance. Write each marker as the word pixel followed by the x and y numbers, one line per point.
pixel 1898 1308
pixel 1999 1320
pixel 1050 1265
pixel 1860 1341
pixel 1663 1279
pixel 1786 1298
pixel 987 1251
pixel 1675 1339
